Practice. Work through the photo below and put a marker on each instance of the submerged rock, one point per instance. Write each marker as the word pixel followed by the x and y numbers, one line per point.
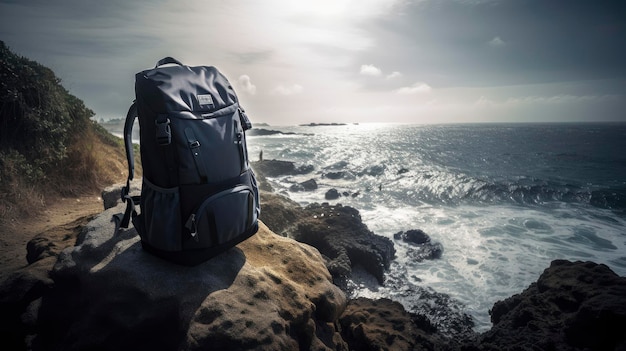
pixel 421 247
pixel 332 194
pixel 269 292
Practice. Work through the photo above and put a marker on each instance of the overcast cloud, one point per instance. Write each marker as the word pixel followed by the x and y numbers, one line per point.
pixel 426 61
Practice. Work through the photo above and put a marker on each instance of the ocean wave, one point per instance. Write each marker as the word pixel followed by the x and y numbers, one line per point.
pixel 458 188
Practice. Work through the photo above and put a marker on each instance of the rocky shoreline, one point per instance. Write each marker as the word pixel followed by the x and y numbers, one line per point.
pixel 286 288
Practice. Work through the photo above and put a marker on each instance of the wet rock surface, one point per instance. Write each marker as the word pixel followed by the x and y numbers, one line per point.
pixel 420 245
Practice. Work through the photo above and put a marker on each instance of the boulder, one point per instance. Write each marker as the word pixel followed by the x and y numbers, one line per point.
pixel 339 175
pixel 385 325
pixel 332 194
pixel 308 185
pixel 414 236
pixel 268 292
pixel 421 247
pixel 277 168
pixel 375 170
pixel 341 236
pixel 111 195
pixel 572 306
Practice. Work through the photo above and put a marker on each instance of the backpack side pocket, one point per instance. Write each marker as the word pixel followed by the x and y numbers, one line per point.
pixel 160 209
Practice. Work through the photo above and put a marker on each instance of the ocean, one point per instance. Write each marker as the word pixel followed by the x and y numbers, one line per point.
pixel 503 200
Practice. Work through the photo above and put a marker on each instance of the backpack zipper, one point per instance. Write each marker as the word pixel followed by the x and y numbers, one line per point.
pixel 239 142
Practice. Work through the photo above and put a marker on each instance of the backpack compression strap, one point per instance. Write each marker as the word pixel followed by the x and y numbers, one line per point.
pixel 128 142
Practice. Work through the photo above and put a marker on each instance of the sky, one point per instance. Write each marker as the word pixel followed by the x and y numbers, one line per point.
pixel 293 62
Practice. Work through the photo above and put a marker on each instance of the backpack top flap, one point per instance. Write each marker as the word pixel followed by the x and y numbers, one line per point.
pixel 183 88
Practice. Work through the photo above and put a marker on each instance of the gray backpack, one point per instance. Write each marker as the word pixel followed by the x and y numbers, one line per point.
pixel 199 196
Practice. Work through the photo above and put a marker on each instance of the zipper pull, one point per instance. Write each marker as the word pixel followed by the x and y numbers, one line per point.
pixel 238 136
pixel 191 225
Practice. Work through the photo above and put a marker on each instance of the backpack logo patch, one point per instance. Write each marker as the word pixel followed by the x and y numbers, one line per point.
pixel 205 99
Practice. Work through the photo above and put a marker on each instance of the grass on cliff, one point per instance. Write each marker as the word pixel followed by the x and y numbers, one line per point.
pixel 49 146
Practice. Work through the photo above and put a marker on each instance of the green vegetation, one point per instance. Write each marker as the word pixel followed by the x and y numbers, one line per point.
pixel 49 146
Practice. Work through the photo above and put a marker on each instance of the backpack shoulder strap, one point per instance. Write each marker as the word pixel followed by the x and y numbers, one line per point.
pixel 130 157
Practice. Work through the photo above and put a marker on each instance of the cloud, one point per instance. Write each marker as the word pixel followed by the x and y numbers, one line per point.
pixel 394 74
pixel 245 85
pixel 496 42
pixel 417 88
pixel 287 90
pixel 484 102
pixel 370 70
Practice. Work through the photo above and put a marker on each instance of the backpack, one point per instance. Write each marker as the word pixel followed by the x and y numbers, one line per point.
pixel 199 196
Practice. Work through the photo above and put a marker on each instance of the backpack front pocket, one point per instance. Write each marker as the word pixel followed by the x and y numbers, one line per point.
pixel 221 218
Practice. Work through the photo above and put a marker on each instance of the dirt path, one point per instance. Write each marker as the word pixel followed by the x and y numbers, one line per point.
pixel 61 219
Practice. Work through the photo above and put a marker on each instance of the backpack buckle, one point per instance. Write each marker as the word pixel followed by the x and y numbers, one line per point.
pixel 163 132
pixel 243 118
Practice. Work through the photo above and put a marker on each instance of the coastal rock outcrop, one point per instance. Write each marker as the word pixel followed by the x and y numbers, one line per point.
pixel 268 292
pixel 279 213
pixel 341 236
pixel 385 325
pixel 572 306
pixel 277 168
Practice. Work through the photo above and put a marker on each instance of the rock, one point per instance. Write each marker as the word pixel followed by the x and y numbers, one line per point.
pixel 277 168
pixel 54 240
pixel 111 195
pixel 20 298
pixel 262 182
pixel 421 246
pixel 268 292
pixel 334 175
pixel 308 185
pixel 374 171
pixel 334 124
pixel 262 132
pixel 304 169
pixel 572 306
pixel 332 194
pixel 337 165
pixel 341 236
pixel 439 310
pixel 279 213
pixel 414 236
pixel 385 325
pixel 403 170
